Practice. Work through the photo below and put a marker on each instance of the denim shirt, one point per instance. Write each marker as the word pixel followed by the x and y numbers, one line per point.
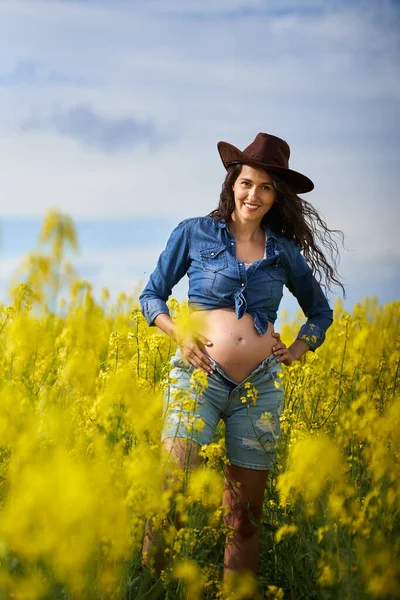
pixel 205 249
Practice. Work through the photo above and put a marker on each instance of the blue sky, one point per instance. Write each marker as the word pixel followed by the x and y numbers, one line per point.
pixel 111 112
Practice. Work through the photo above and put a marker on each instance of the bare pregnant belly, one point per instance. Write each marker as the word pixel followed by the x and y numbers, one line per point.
pixel 237 346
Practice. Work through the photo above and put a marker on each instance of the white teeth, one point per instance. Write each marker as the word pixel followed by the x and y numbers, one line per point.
pixel 250 205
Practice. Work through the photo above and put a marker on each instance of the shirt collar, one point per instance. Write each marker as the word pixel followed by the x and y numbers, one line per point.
pixel 222 224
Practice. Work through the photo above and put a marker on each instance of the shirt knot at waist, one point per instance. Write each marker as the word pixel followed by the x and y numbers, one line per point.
pixel 261 322
pixel 240 304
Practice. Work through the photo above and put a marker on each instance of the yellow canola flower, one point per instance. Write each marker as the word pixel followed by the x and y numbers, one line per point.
pixel 380 567
pixel 61 510
pixel 32 586
pixel 191 575
pixel 206 486
pixel 145 476
pixel 251 393
pixel 285 530
pixel 313 462
pixel 215 453
pixel 240 586
pixel 81 469
pixel 327 576
pixel 275 592
pixel 198 381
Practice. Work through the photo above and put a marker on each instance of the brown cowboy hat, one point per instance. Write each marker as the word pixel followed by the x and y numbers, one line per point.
pixel 270 153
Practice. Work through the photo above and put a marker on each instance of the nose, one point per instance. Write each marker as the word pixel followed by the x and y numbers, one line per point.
pixel 252 193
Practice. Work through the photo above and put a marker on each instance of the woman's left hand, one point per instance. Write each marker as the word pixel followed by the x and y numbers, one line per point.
pixel 280 349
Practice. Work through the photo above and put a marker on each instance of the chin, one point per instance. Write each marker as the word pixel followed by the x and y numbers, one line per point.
pixel 251 216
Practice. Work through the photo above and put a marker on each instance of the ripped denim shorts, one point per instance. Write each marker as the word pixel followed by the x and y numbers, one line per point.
pixel 252 427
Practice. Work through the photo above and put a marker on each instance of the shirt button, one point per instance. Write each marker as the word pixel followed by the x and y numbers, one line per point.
pixel 241 264
pixel 212 253
pixel 242 284
pixel 232 243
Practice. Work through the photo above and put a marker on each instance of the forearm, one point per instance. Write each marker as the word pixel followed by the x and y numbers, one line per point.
pixel 167 325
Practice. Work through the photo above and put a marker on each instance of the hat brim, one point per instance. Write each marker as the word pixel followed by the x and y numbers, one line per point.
pixel 230 155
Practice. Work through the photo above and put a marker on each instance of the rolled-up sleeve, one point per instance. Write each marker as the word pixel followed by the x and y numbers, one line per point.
pixel 171 266
pixel 312 300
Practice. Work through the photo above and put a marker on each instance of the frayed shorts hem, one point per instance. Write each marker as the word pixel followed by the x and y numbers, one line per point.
pixel 166 436
pixel 238 463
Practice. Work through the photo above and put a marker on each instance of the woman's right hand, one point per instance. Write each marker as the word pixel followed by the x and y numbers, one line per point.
pixel 192 354
pixel 189 343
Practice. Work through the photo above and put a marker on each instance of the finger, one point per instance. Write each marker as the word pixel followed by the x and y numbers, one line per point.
pixel 276 334
pixel 207 369
pixel 284 356
pixel 204 340
pixel 191 350
pixel 280 351
pixel 203 362
pixel 279 346
pixel 189 357
pixel 197 357
pixel 186 361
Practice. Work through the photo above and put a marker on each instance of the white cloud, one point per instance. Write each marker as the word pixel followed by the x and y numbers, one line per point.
pixel 325 78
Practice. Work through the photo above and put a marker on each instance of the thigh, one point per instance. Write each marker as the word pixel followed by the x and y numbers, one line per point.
pixel 253 429
pixel 181 452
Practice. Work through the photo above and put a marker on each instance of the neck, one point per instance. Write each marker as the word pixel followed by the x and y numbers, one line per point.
pixel 245 231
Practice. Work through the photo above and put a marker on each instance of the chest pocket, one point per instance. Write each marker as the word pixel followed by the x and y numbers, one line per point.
pixel 275 277
pixel 214 259
pixel 276 271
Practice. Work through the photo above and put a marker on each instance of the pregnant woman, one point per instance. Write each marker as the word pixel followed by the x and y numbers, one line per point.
pixel 238 259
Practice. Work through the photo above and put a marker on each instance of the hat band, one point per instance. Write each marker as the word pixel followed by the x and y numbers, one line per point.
pixel 256 159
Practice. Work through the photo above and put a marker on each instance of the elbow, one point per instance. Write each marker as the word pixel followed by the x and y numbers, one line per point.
pixel 321 314
pixel 323 319
pixel 142 303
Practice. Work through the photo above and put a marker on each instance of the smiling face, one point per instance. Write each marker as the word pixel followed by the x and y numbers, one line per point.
pixel 254 194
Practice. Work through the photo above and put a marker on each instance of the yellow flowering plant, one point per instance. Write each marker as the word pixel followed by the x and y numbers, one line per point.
pixel 81 469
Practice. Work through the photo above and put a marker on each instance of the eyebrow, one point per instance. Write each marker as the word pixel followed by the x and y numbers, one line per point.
pixel 264 182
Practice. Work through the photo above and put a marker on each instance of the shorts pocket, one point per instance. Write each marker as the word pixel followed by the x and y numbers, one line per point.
pixel 276 368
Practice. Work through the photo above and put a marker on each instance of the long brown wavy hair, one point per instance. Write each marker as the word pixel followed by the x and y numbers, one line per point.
pixel 295 219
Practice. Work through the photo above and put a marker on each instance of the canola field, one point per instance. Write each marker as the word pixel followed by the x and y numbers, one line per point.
pixel 81 469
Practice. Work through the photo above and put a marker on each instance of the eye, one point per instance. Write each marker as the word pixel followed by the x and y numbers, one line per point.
pixel 245 183
pixel 266 187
